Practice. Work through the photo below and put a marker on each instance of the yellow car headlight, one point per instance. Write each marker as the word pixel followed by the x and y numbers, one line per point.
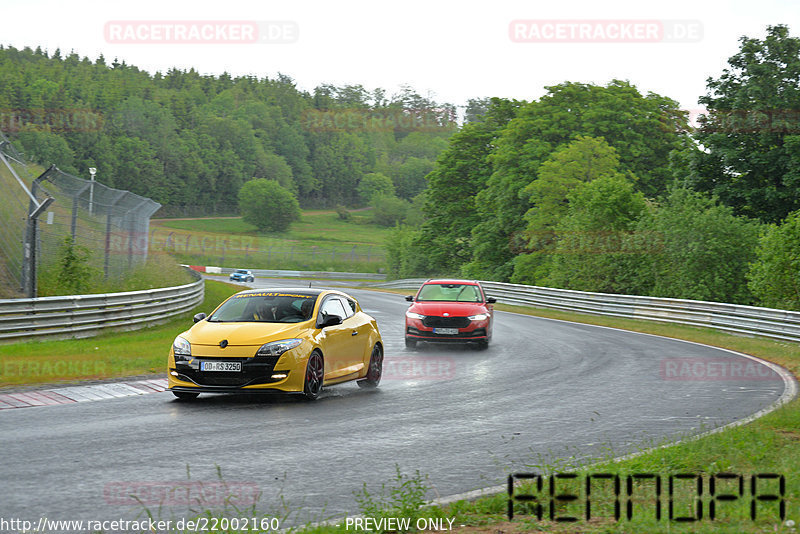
pixel 181 347
pixel 276 348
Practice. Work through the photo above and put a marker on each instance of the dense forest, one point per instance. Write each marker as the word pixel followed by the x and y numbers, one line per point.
pixel 602 188
pixel 190 141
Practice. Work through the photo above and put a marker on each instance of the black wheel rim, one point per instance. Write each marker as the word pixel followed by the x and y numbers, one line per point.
pixel 375 365
pixel 314 373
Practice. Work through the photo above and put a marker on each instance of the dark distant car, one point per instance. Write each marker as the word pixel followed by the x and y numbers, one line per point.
pixel 242 275
pixel 450 311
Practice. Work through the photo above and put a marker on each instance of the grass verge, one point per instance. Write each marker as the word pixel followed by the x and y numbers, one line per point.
pixel 319 241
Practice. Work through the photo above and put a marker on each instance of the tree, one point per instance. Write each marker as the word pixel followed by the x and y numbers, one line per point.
pixel 274 167
pixel 460 173
pixel 138 170
pixel 373 185
pixel 476 108
pixel 643 130
pixel 409 178
pixel 267 205
pixel 75 273
pixel 389 210
pixel 582 161
pixel 752 161
pixel 698 249
pixel 47 148
pixel 338 161
pixel 591 251
pixel 774 277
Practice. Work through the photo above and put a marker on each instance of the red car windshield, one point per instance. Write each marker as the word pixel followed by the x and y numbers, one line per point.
pixel 450 293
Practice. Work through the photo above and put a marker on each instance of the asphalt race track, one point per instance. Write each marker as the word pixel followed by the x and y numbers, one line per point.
pixel 543 392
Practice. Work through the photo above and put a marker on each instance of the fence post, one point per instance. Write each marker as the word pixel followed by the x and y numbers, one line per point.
pixel 31 235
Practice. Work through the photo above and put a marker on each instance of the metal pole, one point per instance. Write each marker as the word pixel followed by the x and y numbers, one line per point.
pixel 14 173
pixel 92 172
pixel 35 210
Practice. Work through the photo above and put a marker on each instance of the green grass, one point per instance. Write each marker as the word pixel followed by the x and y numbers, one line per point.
pixel 319 241
pixel 110 355
pixel 160 270
pixel 314 226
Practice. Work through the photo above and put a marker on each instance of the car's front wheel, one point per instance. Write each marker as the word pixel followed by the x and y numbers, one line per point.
pixel 185 395
pixel 315 372
pixel 411 343
pixel 375 370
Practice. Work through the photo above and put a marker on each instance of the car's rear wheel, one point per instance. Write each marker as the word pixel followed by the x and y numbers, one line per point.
pixel 375 370
pixel 184 395
pixel 315 372
pixel 411 343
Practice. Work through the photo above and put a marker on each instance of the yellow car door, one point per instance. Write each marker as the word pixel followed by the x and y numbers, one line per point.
pixel 360 329
pixel 335 339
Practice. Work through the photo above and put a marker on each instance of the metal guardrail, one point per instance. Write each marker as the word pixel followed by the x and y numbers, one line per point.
pixel 272 273
pixel 86 315
pixel 748 320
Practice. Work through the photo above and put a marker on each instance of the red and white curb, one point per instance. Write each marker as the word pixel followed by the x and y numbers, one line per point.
pixel 69 395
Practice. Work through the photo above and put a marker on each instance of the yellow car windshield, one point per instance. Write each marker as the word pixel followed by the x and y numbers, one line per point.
pixel 264 308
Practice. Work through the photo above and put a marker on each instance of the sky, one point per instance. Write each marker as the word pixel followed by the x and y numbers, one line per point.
pixel 448 50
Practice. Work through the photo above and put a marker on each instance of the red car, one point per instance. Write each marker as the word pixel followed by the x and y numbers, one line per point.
pixel 450 311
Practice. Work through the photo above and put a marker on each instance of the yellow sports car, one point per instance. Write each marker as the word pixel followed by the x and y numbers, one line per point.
pixel 277 340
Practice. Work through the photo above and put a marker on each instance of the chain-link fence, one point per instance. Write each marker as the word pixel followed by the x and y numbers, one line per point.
pixel 110 223
pixel 14 183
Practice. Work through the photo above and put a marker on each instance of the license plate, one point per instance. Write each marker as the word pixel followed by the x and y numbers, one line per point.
pixel 221 366
pixel 448 331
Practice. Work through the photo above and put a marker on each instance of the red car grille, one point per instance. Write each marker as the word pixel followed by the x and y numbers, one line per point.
pixel 433 321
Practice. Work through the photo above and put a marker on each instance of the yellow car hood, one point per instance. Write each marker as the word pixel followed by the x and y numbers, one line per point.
pixel 243 334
